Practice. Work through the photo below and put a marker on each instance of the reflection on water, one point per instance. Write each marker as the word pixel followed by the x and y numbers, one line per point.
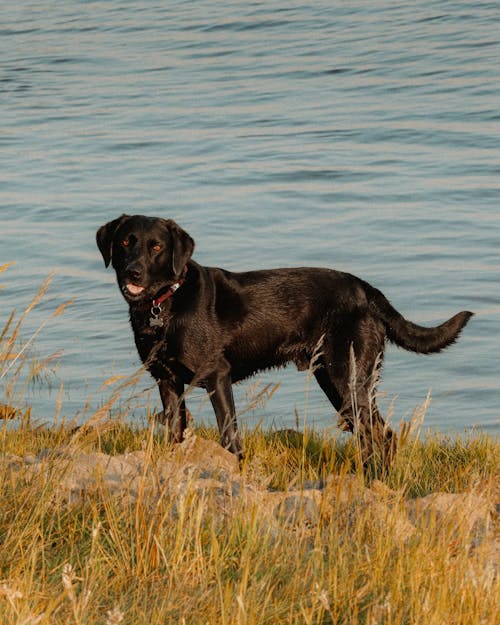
pixel 361 137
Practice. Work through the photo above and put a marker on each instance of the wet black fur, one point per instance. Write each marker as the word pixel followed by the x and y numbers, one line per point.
pixel 221 327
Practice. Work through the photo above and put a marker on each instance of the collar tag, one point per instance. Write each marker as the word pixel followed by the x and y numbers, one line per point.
pixel 155 321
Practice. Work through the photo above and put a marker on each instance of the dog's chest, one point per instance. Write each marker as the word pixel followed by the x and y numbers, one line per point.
pixel 151 334
pixel 148 344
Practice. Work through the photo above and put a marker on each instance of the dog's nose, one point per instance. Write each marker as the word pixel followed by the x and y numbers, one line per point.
pixel 134 272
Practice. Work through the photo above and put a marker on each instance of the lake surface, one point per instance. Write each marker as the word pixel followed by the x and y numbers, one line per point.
pixel 361 136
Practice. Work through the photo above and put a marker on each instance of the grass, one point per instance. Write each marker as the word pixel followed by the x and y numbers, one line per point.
pixel 108 560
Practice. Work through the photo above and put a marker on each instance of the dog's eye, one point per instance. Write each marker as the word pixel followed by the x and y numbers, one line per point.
pixel 156 247
pixel 125 243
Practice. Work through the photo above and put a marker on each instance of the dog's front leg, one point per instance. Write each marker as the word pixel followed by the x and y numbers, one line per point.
pixel 174 408
pixel 219 386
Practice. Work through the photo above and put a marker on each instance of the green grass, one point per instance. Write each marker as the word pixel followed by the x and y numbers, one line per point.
pixel 108 560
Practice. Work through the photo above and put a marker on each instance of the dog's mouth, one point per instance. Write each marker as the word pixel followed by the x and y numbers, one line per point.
pixel 136 292
pixel 133 291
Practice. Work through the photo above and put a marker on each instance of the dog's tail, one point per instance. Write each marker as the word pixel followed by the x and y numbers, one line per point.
pixel 410 336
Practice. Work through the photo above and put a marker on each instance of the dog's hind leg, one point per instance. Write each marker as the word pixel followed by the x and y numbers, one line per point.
pixel 349 378
pixel 378 443
pixel 361 415
pixel 358 414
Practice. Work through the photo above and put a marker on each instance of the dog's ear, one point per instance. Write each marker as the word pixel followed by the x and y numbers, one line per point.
pixel 181 244
pixel 105 235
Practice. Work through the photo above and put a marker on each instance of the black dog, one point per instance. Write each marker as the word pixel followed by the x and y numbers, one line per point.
pixel 209 327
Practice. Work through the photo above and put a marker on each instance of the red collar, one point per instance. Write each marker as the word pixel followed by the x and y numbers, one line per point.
pixel 155 319
pixel 159 300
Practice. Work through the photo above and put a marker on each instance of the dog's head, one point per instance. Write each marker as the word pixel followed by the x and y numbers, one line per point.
pixel 147 253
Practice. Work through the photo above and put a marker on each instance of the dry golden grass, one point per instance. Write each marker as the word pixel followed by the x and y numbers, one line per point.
pixel 109 560
pixel 181 561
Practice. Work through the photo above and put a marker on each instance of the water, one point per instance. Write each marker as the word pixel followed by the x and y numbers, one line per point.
pixel 360 136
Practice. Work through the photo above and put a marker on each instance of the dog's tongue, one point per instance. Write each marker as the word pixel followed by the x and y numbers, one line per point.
pixel 135 289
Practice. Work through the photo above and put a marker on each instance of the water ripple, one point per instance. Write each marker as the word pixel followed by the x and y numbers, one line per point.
pixel 364 136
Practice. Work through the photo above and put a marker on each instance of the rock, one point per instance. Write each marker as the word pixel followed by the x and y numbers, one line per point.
pixel 444 505
pixel 468 515
pixel 346 499
pixel 12 460
pixel 200 468
pixel 297 509
pixel 206 458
